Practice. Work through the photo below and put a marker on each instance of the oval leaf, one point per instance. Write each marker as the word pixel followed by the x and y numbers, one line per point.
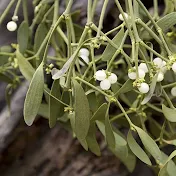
pixel 110 50
pixel 92 141
pixel 25 67
pixel 169 113
pixel 165 167
pixel 100 113
pixel 23 36
pixel 149 144
pixel 137 150
pixel 109 132
pixel 167 21
pixel 120 141
pixel 82 112
pixel 40 34
pixel 34 96
pixel 127 86
pixel 54 105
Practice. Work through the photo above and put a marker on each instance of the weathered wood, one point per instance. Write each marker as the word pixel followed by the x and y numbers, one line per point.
pixel 9 121
pixel 55 153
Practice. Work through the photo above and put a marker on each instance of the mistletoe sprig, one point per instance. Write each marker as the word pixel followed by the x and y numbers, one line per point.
pixel 134 74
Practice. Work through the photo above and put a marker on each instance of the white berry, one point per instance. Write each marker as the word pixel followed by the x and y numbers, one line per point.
pixel 121 17
pixel 144 88
pixel 174 67
pixel 84 52
pixel 164 63
pixel 141 73
pixel 160 77
pixel 173 91
pixel 100 75
pixel 85 59
pixel 11 26
pixel 143 66
pixel 105 84
pixel 158 62
pixel 132 75
pixel 15 18
pixel 112 78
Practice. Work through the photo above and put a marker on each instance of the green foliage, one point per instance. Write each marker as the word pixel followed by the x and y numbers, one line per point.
pixel 90 103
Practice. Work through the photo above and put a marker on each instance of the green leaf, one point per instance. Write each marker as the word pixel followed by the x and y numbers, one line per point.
pixel 127 86
pixel 56 74
pixel 169 113
pixel 34 96
pixel 137 150
pixel 93 104
pixel 23 36
pixel 54 105
pixel 166 167
pixel 108 131
pixel 25 67
pixel 149 144
pixel 40 34
pixel 120 142
pixel 167 21
pixel 169 6
pixel 82 112
pixel 110 50
pixel 6 49
pixel 5 78
pixel 172 142
pixel 129 161
pixel 71 116
pixel 92 141
pixel 44 110
pixel 151 91
pixel 100 113
pixel 171 168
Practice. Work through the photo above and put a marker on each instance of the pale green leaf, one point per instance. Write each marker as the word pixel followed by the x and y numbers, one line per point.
pixel 44 110
pixel 92 141
pixel 169 113
pixel 127 86
pixel 25 67
pixel 149 144
pixel 108 131
pixel 34 96
pixel 169 6
pixel 40 34
pixel 137 150
pixel 23 36
pixel 167 166
pixel 82 111
pixel 54 105
pixel 110 50
pixel 167 21
pixel 129 161
pixel 100 113
pixel 5 78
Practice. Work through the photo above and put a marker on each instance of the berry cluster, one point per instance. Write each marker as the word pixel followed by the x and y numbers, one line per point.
pixel 159 65
pixel 105 79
